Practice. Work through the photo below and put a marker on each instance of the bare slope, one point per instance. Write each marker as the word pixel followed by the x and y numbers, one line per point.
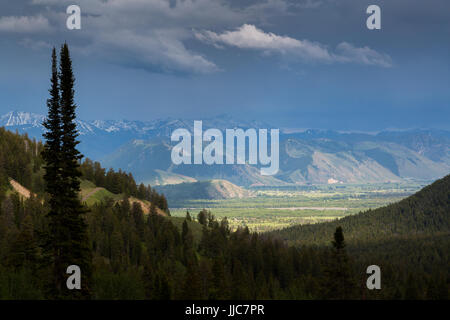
pixel 211 189
pixel 24 192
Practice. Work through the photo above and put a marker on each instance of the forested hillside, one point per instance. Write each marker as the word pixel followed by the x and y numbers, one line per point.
pixel 21 160
pixel 425 213
pixel 409 240
pixel 137 256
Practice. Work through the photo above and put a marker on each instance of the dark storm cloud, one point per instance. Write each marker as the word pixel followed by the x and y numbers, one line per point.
pixel 298 62
pixel 153 34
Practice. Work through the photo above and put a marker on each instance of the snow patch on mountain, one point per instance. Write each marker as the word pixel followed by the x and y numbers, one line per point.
pixel 18 118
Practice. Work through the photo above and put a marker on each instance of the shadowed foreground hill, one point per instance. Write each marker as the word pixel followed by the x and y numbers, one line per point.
pixel 408 240
pixel 423 214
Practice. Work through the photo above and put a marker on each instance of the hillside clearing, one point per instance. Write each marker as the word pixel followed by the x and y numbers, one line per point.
pixel 24 192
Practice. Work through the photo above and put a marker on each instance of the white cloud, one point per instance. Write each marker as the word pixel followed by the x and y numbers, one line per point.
pixel 153 34
pixel 24 24
pixel 250 37
pixel 349 53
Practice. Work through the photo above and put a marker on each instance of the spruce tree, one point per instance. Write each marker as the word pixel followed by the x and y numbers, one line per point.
pixel 67 242
pixel 202 217
pixel 52 135
pixel 339 280
pixel 79 253
pixel 53 246
pixel 188 244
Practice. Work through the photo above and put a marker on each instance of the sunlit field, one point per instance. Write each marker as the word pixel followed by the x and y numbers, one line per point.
pixel 275 208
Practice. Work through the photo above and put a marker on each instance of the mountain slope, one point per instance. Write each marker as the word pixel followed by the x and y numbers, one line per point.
pixel 425 213
pixel 160 177
pixel 91 195
pixel 211 189
pixel 309 161
pixel 150 161
pixel 21 171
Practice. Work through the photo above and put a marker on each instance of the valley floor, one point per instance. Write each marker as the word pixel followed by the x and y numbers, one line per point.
pixel 276 208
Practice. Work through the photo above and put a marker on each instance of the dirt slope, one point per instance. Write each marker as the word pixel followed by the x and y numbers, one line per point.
pixel 20 189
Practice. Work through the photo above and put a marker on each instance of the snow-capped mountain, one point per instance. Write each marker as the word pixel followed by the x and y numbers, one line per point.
pixel 28 120
pixel 102 137
pixel 308 156
pixel 98 137
pixel 18 118
pixel 23 121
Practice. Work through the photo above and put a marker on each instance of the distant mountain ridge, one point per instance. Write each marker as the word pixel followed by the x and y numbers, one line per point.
pixel 103 137
pixel 306 157
pixel 17 118
pixel 154 128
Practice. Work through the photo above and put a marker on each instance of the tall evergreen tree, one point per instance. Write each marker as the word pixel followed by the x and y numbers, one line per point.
pixel 53 246
pixel 52 135
pixel 80 253
pixel 339 281
pixel 67 242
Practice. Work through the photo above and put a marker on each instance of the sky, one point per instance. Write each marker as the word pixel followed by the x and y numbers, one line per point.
pixel 292 63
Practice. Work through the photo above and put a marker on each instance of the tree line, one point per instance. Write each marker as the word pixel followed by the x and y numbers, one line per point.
pixel 121 182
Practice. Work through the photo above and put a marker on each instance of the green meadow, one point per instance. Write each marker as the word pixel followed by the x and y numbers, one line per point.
pixel 275 208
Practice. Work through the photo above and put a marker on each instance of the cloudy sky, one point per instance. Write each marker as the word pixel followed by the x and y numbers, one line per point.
pixel 294 63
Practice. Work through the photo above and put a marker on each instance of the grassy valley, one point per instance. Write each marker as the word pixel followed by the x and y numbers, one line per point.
pixel 271 208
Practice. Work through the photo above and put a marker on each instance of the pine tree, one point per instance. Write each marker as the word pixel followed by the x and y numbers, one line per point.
pixel 192 289
pixel 153 211
pixel 24 251
pixel 188 244
pixel 138 216
pixel 220 281
pixel 67 241
pixel 338 282
pixel 339 241
pixel 53 246
pixel 52 123
pixel 79 253
pixel 202 217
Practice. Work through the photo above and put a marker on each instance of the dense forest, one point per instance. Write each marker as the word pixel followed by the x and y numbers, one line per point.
pixel 137 256
pixel 409 239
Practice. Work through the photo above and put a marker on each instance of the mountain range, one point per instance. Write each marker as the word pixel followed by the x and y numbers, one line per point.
pixel 306 157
